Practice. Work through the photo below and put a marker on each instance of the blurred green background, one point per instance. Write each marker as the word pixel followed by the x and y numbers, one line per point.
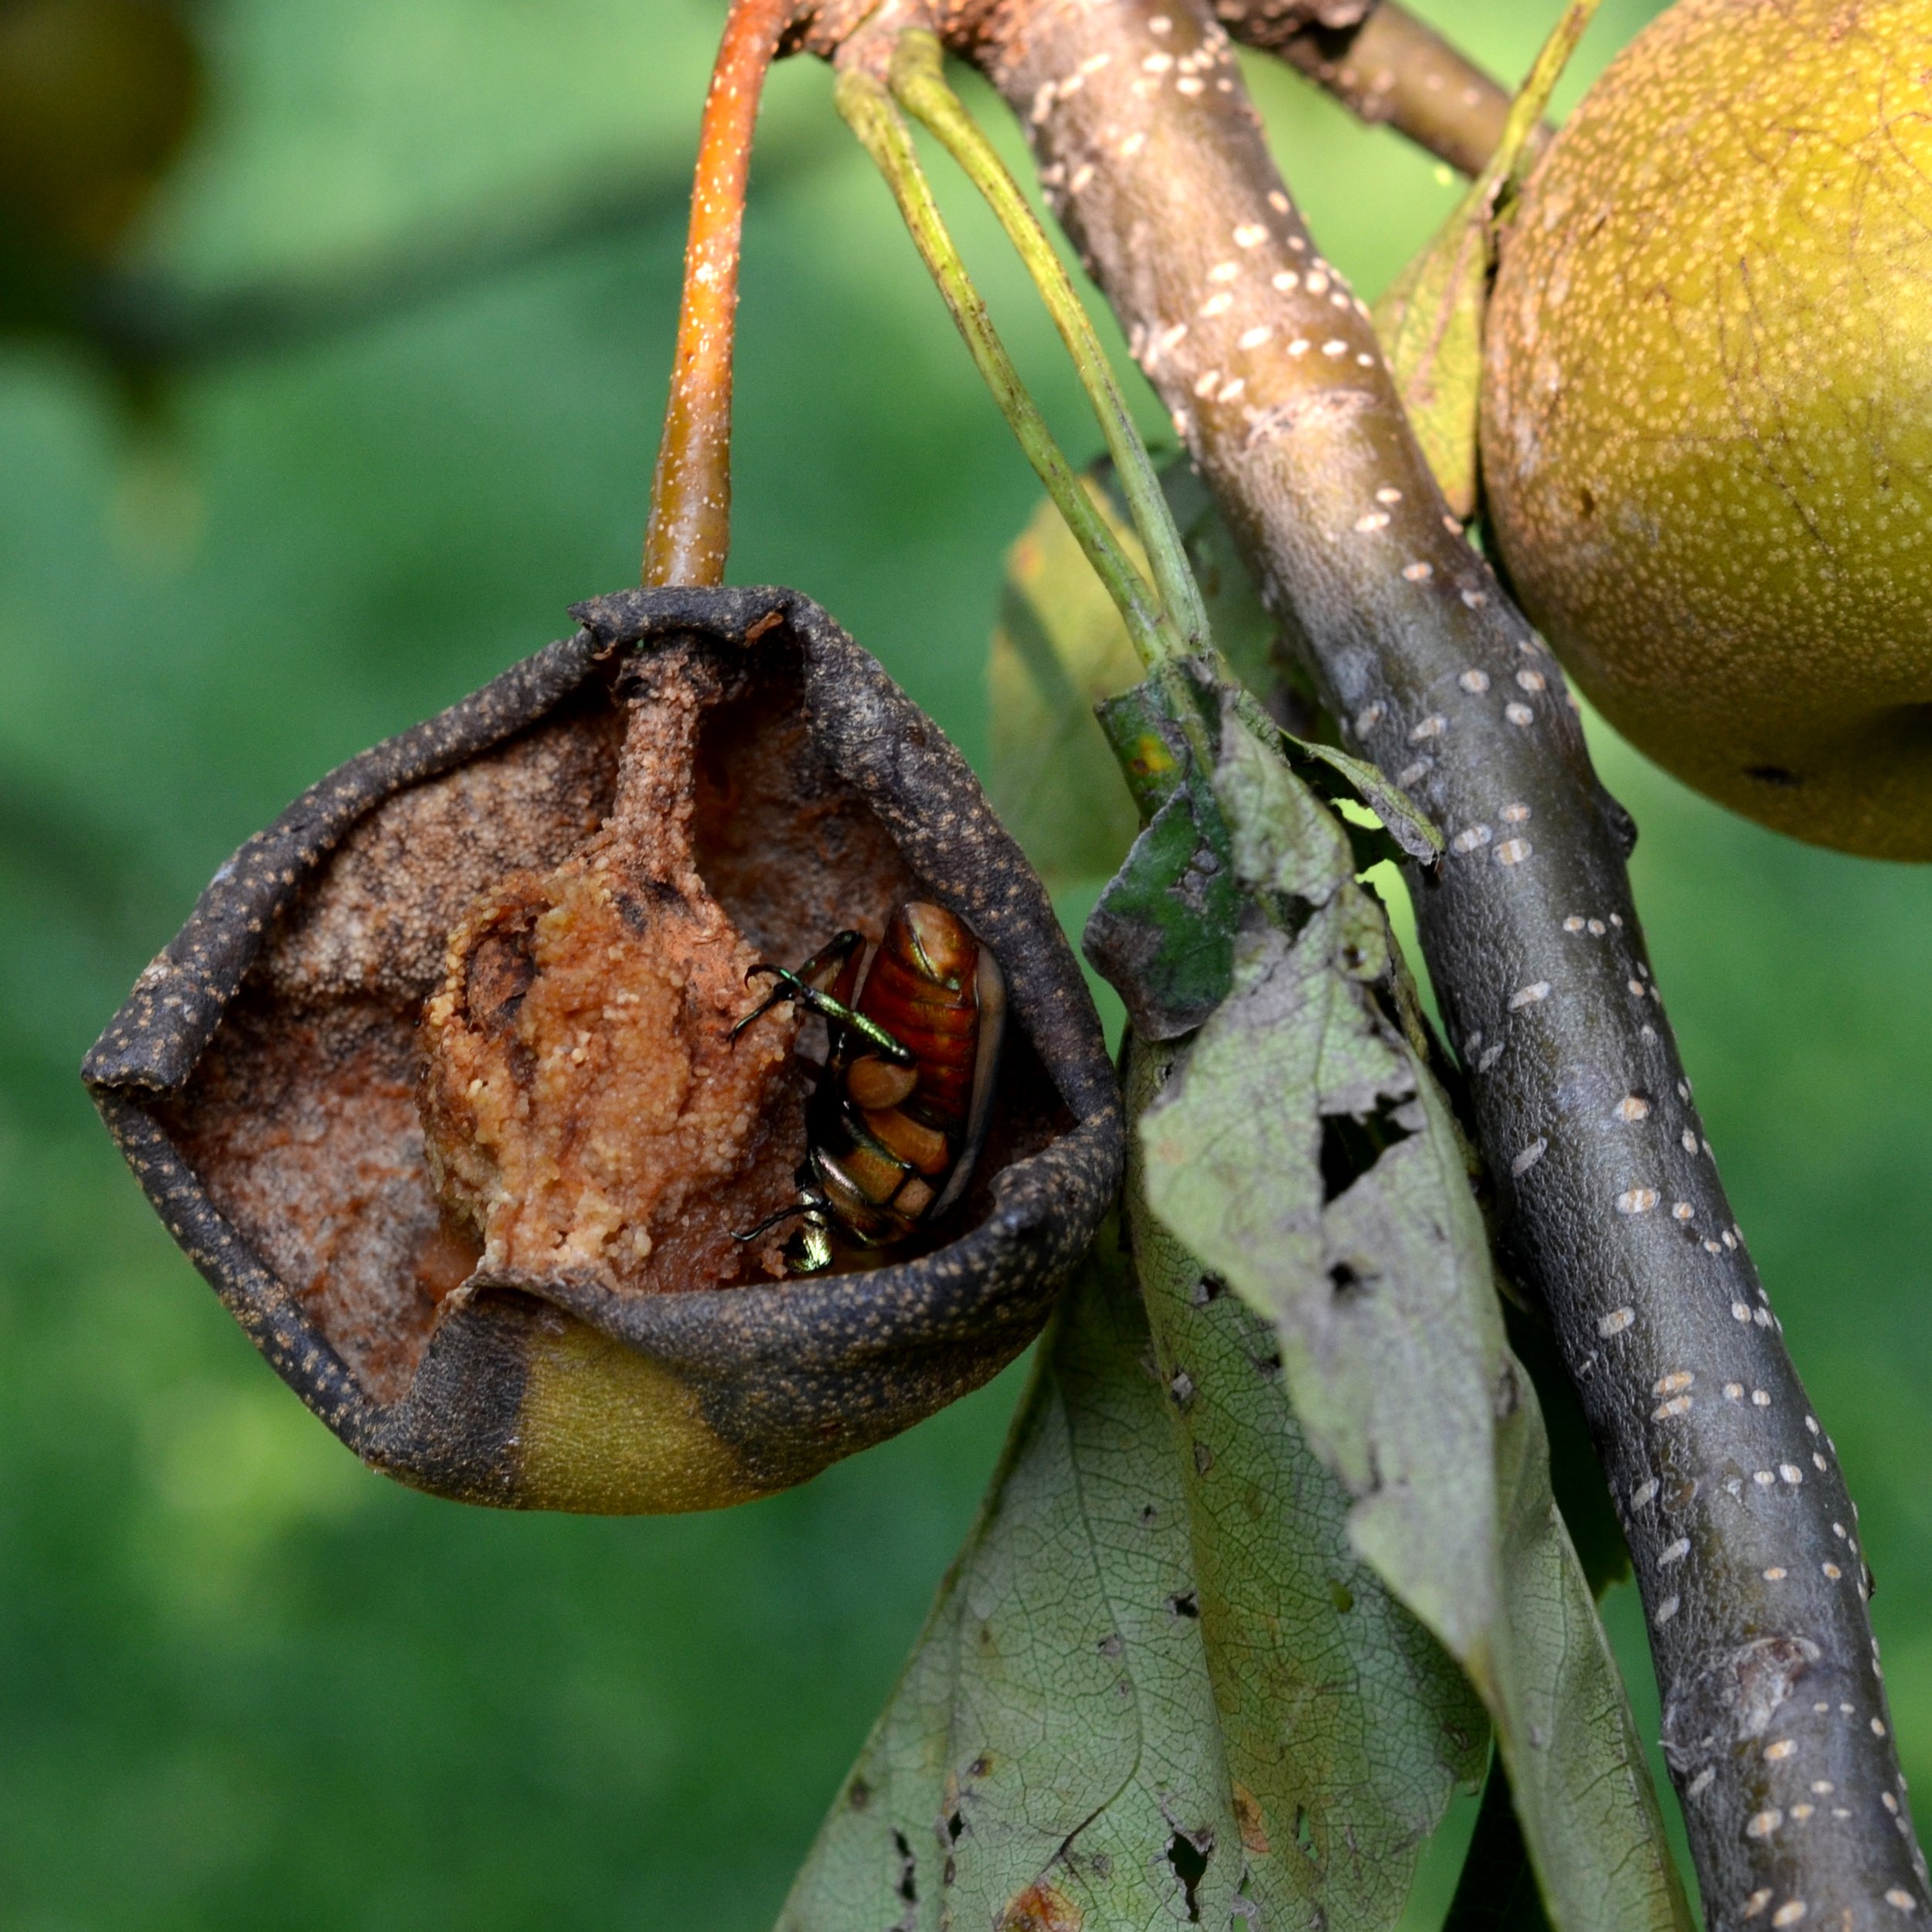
pixel 245 1684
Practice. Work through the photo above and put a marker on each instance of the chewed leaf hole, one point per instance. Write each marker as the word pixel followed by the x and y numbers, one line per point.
pixel 1189 1858
pixel 1352 1143
pixel 908 1887
pixel 1184 1603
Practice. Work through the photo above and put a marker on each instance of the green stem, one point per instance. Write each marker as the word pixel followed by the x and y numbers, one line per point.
pixel 919 82
pixel 868 109
pixel 1516 151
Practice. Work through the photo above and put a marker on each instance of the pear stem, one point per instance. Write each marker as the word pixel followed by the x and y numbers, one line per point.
pixel 689 535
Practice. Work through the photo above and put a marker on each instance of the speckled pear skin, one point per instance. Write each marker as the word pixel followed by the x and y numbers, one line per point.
pixel 534 1392
pixel 1707 409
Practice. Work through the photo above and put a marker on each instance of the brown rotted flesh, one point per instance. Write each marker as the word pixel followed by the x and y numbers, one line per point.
pixel 587 1109
pixel 596 885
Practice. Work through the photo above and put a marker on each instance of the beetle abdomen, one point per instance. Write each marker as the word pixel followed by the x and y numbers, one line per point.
pixel 923 990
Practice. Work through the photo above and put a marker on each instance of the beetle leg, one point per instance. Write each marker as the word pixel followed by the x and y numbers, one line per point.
pixel 829 964
pixel 779 992
pixel 787 984
pixel 837 1013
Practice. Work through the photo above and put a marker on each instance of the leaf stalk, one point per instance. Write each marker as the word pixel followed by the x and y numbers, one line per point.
pixel 919 83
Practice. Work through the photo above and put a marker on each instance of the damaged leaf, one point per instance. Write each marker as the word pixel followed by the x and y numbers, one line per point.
pixel 1060 654
pixel 1337 1793
pixel 1399 829
pixel 1162 933
pixel 1334 775
pixel 1157 1689
pixel 1303 1152
pixel 1051 1756
pixel 1430 319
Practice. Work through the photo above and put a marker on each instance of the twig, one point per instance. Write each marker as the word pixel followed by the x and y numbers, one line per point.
pixel 1743 1538
pixel 1388 67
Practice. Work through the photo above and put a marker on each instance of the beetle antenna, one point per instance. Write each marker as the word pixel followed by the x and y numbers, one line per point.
pixel 772 1220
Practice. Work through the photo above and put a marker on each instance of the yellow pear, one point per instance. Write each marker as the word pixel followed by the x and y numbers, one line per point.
pixel 1706 432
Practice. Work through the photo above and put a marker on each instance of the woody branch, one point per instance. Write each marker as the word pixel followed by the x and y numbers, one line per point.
pixel 1383 65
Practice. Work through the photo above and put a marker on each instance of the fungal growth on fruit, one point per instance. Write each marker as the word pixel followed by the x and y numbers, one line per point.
pixel 1707 413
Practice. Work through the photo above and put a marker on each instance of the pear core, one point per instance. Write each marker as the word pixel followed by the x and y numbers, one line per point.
pixel 587 1108
pixel 1707 410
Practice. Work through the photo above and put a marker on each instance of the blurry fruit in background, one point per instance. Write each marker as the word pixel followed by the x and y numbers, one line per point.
pixel 1707 410
pixel 96 99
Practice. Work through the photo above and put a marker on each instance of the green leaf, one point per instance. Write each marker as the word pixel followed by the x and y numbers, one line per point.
pixel 1162 933
pixel 1345 1724
pixel 1052 1747
pixel 1061 653
pixel 1430 319
pixel 1159 1687
pixel 1303 1152
pixel 1059 648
